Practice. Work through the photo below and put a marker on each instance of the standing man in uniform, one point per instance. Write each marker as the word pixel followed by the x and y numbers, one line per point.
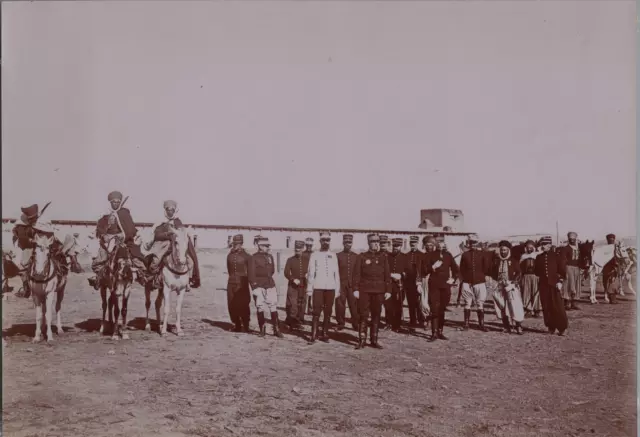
pixel 550 268
pixel 385 250
pixel 295 270
pixel 308 250
pixel 238 293
pixel 412 279
pixel 372 286
pixel 119 224
pixel 346 267
pixel 571 259
pixel 261 271
pixel 442 271
pixel 474 268
pixel 323 286
pixel 397 267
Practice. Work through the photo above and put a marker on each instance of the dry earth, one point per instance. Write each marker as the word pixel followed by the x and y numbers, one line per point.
pixel 216 383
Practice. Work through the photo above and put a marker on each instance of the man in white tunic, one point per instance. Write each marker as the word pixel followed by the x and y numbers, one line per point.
pixel 323 285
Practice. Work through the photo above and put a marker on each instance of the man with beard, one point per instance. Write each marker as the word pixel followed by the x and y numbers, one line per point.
pixel 323 285
pixel 346 267
pixel 550 268
pixel 295 270
pixel 442 271
pixel 393 305
pixel 372 286
pixel 530 292
pixel 474 268
pixel 573 284
pixel 507 299
pixel 261 271
pixel 238 293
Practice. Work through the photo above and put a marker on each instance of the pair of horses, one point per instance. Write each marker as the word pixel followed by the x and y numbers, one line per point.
pixel 117 281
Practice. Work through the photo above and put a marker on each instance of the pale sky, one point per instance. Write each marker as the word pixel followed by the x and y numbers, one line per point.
pixel 354 114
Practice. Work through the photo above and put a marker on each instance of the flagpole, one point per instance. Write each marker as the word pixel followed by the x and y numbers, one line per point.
pixel 557 234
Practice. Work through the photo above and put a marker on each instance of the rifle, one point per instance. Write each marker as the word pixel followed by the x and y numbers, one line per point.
pixel 44 209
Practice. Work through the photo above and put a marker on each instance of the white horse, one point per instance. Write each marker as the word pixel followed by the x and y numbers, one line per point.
pixel 45 284
pixel 116 284
pixel 600 256
pixel 175 278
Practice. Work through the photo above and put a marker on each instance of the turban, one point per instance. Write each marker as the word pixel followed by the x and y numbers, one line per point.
pixel 114 195
pixel 611 236
pixel 170 204
pixel 530 243
pixel 575 235
pixel 505 243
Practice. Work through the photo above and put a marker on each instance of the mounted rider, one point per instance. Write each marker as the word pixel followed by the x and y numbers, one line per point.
pixel 25 231
pixel 160 246
pixel 119 224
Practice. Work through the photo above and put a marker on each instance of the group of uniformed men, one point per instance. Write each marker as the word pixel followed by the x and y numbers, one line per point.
pixel 383 276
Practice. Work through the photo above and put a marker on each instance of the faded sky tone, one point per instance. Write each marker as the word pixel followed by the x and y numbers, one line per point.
pixel 352 114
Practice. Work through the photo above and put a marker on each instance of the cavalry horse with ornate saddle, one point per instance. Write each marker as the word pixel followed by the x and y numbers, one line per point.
pixel 611 261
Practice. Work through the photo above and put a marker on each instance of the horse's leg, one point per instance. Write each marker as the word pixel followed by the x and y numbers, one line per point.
pixel 59 297
pixel 181 294
pixel 49 305
pixel 116 317
pixel 606 296
pixel 147 305
pixel 39 312
pixel 159 300
pixel 592 286
pixel 167 308
pixel 103 296
pixel 125 303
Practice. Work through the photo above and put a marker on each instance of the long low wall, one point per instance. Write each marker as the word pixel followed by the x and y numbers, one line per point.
pixel 217 237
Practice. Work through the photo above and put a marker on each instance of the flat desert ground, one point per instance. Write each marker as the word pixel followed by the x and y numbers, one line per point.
pixel 212 382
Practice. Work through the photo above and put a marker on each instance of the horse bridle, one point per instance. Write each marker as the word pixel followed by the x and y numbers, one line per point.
pixel 176 262
pixel 40 278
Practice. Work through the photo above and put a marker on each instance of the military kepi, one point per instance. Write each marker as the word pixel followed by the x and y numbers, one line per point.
pixel 298 244
pixel 238 239
pixel 347 238
pixel 397 242
pixel 372 238
pixel 114 195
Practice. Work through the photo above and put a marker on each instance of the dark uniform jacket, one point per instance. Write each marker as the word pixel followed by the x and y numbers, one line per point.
pixel 439 277
pixel 397 262
pixel 413 268
pixel 296 268
pixel 238 266
pixel 261 270
pixel 106 226
pixel 550 268
pixel 474 266
pixel 566 252
pixel 513 267
pixel 372 273
pixel 346 268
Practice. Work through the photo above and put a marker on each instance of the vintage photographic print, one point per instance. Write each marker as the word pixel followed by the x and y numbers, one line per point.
pixel 319 218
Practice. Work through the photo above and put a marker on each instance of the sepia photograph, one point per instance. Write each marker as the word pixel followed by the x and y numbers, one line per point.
pixel 319 218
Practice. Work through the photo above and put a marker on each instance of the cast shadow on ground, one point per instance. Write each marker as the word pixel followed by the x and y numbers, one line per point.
pixel 28 330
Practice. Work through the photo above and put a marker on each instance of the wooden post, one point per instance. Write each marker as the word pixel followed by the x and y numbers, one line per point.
pixel 278 261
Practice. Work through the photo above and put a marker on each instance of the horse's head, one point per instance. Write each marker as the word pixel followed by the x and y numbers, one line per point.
pixel 180 246
pixel 41 253
pixel 586 254
pixel 122 275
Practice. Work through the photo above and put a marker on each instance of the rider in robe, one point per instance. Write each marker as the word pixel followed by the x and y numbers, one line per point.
pixel 24 232
pixel 117 223
pixel 160 246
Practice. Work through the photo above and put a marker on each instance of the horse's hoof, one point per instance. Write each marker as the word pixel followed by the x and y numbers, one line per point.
pixel 125 336
pixel 147 327
pixel 163 334
pixel 115 337
pixel 50 340
pixel 180 333
pixel 60 331
pixel 101 330
pixel 36 340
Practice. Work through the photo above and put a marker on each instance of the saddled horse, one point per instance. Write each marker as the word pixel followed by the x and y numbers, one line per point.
pixel 47 279
pixel 597 258
pixel 115 284
pixel 175 278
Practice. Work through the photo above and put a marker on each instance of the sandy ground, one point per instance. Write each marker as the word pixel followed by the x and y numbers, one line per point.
pixel 216 383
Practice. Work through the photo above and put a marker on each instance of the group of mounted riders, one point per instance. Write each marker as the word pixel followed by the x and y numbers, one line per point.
pixel 118 238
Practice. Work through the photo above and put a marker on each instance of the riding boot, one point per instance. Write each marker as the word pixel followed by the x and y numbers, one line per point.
pixel 467 317
pixel 314 329
pixel 362 334
pixel 506 324
pixel 481 321
pixel 375 328
pixel 276 324
pixel 325 329
pixel 573 305
pixel 263 328
pixel 434 329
